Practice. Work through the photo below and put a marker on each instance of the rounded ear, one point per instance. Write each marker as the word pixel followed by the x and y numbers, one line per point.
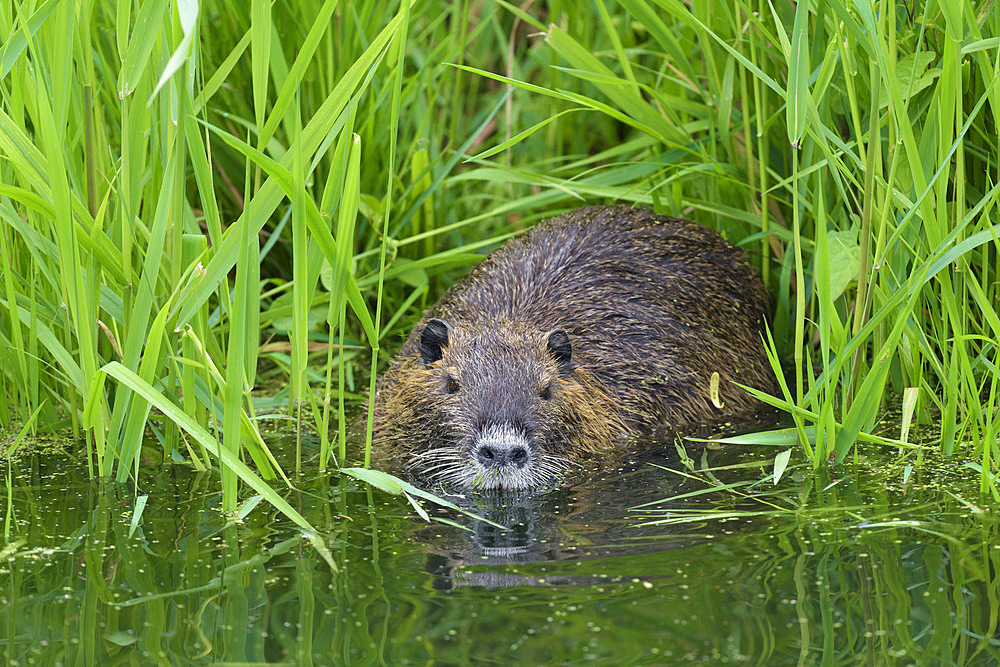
pixel 433 338
pixel 558 345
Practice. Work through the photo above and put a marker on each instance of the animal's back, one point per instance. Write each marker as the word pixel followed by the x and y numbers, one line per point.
pixel 654 306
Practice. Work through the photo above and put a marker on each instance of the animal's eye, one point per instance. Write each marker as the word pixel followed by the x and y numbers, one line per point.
pixel 452 385
pixel 546 393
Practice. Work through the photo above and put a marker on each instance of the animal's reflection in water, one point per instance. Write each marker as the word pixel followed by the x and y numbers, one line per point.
pixel 586 521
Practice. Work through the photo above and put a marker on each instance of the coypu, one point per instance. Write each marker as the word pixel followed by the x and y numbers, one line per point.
pixel 601 323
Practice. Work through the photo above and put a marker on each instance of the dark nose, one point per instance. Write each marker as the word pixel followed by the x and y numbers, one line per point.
pixel 499 454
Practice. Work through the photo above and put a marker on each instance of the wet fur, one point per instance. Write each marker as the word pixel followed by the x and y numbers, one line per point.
pixel 652 305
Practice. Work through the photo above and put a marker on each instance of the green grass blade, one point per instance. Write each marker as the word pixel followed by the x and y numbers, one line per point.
pixel 140 45
pixel 797 97
pixel 226 458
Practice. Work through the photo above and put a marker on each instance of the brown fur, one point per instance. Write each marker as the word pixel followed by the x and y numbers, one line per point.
pixel 652 305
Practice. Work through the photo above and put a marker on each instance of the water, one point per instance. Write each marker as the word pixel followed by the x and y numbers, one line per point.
pixel 855 569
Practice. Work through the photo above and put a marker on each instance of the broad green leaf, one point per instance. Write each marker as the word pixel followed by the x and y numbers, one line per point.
pixel 248 506
pixel 780 463
pixel 845 259
pixel 910 395
pixel 122 638
pixel 140 505
pixel 377 478
pixel 914 73
pixel 953 11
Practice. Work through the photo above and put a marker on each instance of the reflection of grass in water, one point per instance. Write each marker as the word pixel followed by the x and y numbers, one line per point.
pixel 832 565
pixel 882 570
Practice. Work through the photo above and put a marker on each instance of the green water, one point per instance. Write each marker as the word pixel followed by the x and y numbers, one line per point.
pixel 854 569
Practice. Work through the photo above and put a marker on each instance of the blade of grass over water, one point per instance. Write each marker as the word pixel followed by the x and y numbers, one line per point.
pixel 230 462
pixel 238 203
pixel 28 425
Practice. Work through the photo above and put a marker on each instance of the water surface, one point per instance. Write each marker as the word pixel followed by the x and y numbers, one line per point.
pixel 857 568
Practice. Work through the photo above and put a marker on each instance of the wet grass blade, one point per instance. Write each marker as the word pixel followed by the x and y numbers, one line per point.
pixel 225 458
pixel 140 505
pixel 396 486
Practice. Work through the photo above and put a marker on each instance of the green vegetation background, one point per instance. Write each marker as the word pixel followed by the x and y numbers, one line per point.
pixel 222 209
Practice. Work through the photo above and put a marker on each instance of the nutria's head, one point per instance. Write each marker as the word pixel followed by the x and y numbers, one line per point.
pixel 498 406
